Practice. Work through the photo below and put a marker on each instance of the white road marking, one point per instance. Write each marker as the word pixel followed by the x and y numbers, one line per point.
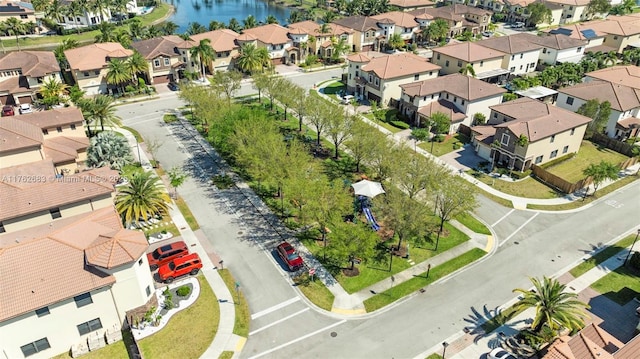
pixel 503 217
pixel 275 307
pixel 519 228
pixel 278 321
pixel 297 339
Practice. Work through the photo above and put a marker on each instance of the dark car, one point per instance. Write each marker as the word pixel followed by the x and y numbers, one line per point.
pixel 289 256
pixel 163 255
pixel 8 111
pixel 189 264
pixel 173 86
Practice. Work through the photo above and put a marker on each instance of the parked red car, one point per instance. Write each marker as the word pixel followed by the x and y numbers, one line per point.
pixel 189 264
pixel 165 254
pixel 8 110
pixel 290 256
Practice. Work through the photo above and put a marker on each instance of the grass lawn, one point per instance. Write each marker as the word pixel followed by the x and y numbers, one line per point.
pixel 621 285
pixel 315 291
pixel 434 356
pixel 501 201
pixel 571 170
pixel 135 133
pixel 450 144
pixel 388 126
pixel 186 213
pixel 334 87
pixel 577 204
pixel 473 224
pixel 178 339
pixel 500 319
pixel 171 228
pixel 405 288
pixel 372 272
pixel 243 314
pixel 226 355
pixel 169 118
pixel 528 187
pixel 601 256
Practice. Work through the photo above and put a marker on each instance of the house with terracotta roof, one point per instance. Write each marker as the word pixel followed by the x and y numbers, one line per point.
pixel 398 22
pixel 378 77
pixel 88 17
pixel 486 62
pixel 367 36
pixel 311 38
pixel 163 57
pixel 459 17
pixel 275 38
pixel 573 10
pixel 89 271
pixel 517 11
pixel 408 5
pixel 88 65
pixel 558 48
pixel 494 5
pixel 458 96
pixel 23 72
pixel 20 10
pixel 521 55
pixel 550 131
pixel 584 32
pixel 622 32
pixel 225 47
pixel 620 86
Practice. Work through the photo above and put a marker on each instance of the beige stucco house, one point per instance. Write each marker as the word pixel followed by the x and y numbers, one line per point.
pixel 23 72
pixel 367 36
pixel 225 47
pixel 408 5
pixel 163 57
pixel 22 11
pixel 88 65
pixel 275 38
pixel 622 32
pixel 486 62
pixel 313 39
pixel 521 55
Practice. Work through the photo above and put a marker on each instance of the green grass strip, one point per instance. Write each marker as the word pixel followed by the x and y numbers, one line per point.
pixel 601 256
pixel 473 223
pixel 403 289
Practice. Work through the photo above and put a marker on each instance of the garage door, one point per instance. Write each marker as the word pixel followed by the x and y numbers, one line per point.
pixel 4 99
pixel 278 61
pixel 162 79
pixel 25 99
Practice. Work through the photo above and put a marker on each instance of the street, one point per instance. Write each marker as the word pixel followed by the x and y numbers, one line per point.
pixel 285 325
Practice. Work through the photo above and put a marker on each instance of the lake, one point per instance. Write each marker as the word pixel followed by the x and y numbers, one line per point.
pixel 203 12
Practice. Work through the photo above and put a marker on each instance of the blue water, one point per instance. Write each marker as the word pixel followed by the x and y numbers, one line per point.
pixel 204 12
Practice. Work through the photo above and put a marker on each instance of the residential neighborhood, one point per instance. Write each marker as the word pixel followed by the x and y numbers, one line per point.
pixel 459 179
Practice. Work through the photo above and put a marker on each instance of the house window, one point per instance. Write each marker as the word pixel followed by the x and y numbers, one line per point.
pixel 513 57
pixel 42 311
pixel 520 67
pixel 140 262
pixel 565 149
pixel 349 76
pixel 569 100
pixel 438 56
pixel 446 64
pixel 219 54
pixel 23 16
pixel 538 159
pixel 55 213
pixel 521 55
pixel 35 347
pixel 90 326
pixel 544 51
pixel 481 63
pixel 573 130
pixel 96 72
pixel 2 230
pixel 167 61
pixel 462 102
pixel 433 96
pixel 45 131
pixel 455 99
pixel 512 69
pixel 495 115
pixel 184 59
pixel 59 129
pixel 83 299
pixel 430 73
pixel 505 139
pixel 459 63
pixel 553 138
pixel 447 96
pixel 553 154
pixel 357 73
pixel 579 49
pixel 615 38
pixel 85 74
pixel 156 63
pixel 532 65
pixel 416 77
pixel 148 290
pixel 73 126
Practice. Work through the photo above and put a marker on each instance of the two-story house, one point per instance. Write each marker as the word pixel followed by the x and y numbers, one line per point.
pixel 572 10
pixel 521 55
pixel 379 77
pixel 23 72
pixel 584 32
pixel 459 17
pixel 88 65
pixel 558 48
pixel 367 36
pixel 485 62
pixel 225 47
pixel 620 86
pixel 398 22
pixel 163 58
pixel 408 5
pixel 458 96
pixel 22 11
pixel 621 32
pixel 547 132
pixel 312 38
pixel 88 17
pixel 275 38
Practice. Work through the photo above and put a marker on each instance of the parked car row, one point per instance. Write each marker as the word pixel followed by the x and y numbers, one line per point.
pixel 174 260
pixel 8 110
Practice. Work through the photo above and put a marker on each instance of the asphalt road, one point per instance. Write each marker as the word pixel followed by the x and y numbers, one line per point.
pixel 531 244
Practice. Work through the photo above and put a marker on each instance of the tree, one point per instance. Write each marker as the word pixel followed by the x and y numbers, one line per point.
pixel 272 86
pixel 15 27
pixel 599 114
pixel 509 97
pixel 479 118
pixel 204 53
pixel 107 32
pixel 440 123
pixel 523 140
pixel 99 110
pixel 539 13
pixel 437 30
pixel 100 7
pixel 53 10
pixel 271 19
pixel 227 82
pixel 453 196
pixel 468 70
pixel 176 178
pixel 340 47
pixel 120 7
pixel 137 64
pixel 109 149
pixel 250 22
pixel 142 198
pixel 598 7
pixel 73 11
pixel 252 59
pixel 554 307
pixel 601 172
pixel 361 142
pixel 350 241
pixel 339 130
pixel 319 113
pixel 52 92
pixel 395 41
pixel 234 25
pixel 414 173
pixel 169 27
pixel 300 103
pixel 118 73
pixel 195 28
pixel 216 25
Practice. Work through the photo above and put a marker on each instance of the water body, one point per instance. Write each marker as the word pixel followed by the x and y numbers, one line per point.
pixel 205 11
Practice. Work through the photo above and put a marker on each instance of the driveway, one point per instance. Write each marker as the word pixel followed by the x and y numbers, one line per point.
pixel 463 158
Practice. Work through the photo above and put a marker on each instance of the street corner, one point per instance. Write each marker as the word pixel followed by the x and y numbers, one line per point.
pixel 491 242
pixel 356 311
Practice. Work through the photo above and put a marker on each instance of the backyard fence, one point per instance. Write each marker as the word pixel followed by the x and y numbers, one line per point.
pixel 133 348
pixel 557 182
pixel 613 144
pixel 465 130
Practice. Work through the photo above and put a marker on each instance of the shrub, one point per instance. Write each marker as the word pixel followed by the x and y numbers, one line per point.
pixel 557 160
pixel 520 175
pixel 169 118
pixel 635 260
pixel 456 145
pixel 400 124
pixel 440 138
pixel 168 303
pixel 183 291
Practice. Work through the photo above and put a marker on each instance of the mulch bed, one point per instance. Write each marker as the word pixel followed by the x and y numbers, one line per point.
pixel 176 298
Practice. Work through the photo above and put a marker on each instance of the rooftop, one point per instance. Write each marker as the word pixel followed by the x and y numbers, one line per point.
pixel 222 40
pixel 398 65
pixel 469 52
pixel 32 63
pixel 513 44
pixel 554 41
pixel 54 117
pixel 622 98
pixel 269 34
pixel 622 75
pixel 95 56
pixel 157 46
pixel 465 87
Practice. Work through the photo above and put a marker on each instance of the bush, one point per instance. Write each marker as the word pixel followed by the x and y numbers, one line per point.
pixel 183 291
pixel 400 124
pixel 440 138
pixel 456 145
pixel 635 260
pixel 557 160
pixel 520 175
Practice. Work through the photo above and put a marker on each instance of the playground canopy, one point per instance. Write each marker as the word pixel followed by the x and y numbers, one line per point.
pixel 367 188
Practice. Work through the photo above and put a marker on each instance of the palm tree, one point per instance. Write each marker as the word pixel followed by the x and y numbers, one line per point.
pixel 74 10
pixel 295 16
pixel 234 25
pixel 137 64
pixel 601 172
pixel 169 27
pixel 468 70
pixel 203 52
pixel 118 73
pixel 52 92
pixel 395 41
pixel 99 7
pixel 215 25
pixel 109 149
pixel 250 22
pixel 195 28
pixel 340 47
pixel 324 28
pixel 120 6
pixel 143 197
pixel 136 29
pixel 252 59
pixel 271 20
pixel 329 16
pixel 59 51
pixel 101 111
pixel 15 27
pixel 555 308
pixel 107 32
pixel 54 10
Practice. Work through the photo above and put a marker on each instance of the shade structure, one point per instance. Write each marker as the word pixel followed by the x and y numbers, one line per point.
pixel 367 188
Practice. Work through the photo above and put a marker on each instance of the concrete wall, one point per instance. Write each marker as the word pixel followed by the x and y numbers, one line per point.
pixel 91 81
pixel 544 147
pixel 521 63
pixel 67 131
pixel 454 66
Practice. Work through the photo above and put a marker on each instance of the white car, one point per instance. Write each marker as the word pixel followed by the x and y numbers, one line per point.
pixel 499 353
pixel 25 108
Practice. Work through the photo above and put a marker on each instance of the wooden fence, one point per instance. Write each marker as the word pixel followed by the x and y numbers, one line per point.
pixel 613 144
pixel 557 182
pixel 133 348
